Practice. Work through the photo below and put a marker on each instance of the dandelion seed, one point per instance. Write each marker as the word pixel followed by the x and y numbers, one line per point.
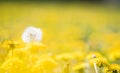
pixel 32 34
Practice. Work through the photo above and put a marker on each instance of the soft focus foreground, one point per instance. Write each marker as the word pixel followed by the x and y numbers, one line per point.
pixel 76 39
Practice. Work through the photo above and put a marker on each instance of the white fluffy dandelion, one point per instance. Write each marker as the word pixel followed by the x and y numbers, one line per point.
pixel 32 34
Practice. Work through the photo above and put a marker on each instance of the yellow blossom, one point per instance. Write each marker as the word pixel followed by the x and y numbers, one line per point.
pixel 13 65
pixel 114 68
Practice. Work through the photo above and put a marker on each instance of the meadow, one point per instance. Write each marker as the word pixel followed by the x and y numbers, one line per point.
pixel 77 38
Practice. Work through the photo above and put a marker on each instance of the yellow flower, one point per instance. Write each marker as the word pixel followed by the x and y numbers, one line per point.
pixel 32 59
pixel 22 54
pixel 35 47
pixel 37 69
pixel 79 56
pixel 65 57
pixel 48 64
pixel 13 65
pixel 98 59
pixel 100 62
pixel 114 54
pixel 114 68
pixel 79 66
pixel 11 44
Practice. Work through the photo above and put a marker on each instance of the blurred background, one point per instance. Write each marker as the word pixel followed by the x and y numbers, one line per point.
pixel 77 35
pixel 65 23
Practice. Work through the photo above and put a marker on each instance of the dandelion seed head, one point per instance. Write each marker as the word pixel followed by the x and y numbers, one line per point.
pixel 32 34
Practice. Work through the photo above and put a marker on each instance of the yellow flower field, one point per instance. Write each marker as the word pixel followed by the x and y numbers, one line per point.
pixel 76 38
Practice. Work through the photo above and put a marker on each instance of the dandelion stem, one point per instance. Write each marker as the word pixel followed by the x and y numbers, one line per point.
pixel 95 67
pixel 66 69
